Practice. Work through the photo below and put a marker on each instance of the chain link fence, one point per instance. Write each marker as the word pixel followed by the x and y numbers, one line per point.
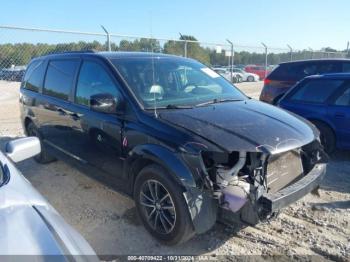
pixel 18 45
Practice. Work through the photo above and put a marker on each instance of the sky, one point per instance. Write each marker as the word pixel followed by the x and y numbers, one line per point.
pixel 302 24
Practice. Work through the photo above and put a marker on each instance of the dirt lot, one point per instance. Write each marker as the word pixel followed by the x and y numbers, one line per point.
pixel 315 225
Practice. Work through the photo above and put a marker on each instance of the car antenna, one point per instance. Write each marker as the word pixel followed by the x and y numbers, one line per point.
pixel 153 68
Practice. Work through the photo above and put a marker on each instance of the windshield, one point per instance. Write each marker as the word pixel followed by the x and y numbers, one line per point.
pixel 164 81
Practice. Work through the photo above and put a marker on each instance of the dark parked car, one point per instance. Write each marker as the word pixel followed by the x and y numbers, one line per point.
pixel 12 74
pixel 285 75
pixel 325 101
pixel 187 145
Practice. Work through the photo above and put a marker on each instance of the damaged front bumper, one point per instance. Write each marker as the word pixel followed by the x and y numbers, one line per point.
pixel 270 203
pixel 290 194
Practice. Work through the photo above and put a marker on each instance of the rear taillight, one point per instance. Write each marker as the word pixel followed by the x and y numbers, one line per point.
pixel 267 81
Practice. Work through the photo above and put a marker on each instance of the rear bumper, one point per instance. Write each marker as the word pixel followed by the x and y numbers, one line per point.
pixel 292 193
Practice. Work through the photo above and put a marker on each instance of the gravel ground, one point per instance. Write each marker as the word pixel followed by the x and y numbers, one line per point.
pixel 315 225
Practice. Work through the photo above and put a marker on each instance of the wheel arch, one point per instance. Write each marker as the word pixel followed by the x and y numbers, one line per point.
pixel 324 122
pixel 26 122
pixel 203 208
pixel 148 154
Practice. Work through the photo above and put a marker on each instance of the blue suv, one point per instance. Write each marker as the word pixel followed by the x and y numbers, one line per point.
pixel 325 101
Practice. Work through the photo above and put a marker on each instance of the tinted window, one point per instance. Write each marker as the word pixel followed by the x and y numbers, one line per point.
pixel 34 76
pixel 93 79
pixel 316 91
pixel 59 78
pixel 329 67
pixel 297 71
pixel 344 98
pixel 294 71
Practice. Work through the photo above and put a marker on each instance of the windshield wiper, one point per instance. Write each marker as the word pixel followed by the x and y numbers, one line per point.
pixel 171 106
pixel 217 101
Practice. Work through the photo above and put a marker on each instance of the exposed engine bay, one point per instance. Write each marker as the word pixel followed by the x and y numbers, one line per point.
pixel 240 179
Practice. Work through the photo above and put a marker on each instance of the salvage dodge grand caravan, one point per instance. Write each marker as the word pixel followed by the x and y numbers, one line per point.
pixel 186 144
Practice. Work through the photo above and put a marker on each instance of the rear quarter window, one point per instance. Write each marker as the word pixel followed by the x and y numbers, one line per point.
pixel 34 76
pixel 59 78
pixel 316 91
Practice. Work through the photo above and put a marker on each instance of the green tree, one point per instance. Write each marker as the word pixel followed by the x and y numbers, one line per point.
pixel 194 50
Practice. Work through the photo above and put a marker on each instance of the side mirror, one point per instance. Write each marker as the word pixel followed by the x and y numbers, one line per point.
pixel 105 103
pixel 23 148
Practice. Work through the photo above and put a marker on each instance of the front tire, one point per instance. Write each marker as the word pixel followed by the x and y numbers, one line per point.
pixel 43 157
pixel 161 206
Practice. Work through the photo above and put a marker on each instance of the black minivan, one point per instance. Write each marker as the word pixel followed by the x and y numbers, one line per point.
pixel 186 144
pixel 287 74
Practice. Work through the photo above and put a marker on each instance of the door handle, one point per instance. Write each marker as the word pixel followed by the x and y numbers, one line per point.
pixel 75 116
pixel 61 112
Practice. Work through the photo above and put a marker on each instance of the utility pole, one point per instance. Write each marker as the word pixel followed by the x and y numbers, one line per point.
pixel 312 52
pixel 232 57
pixel 185 44
pixel 108 38
pixel 291 52
pixel 265 46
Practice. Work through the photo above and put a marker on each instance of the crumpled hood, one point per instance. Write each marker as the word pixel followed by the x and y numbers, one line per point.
pixel 245 125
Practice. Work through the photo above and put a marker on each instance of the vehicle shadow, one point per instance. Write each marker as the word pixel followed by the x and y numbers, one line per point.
pixel 345 204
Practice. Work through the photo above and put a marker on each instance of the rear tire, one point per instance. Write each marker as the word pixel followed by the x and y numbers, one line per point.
pixel 161 206
pixel 327 136
pixel 43 157
pixel 250 79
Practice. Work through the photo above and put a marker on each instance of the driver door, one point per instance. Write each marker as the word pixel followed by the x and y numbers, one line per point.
pixel 95 139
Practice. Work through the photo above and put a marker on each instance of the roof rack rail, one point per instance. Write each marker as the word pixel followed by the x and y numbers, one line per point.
pixel 75 52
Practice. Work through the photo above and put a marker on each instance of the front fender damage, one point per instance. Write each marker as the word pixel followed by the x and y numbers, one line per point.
pixel 203 209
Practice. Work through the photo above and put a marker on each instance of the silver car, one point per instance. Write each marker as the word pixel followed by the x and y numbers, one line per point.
pixel 237 77
pixel 29 224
